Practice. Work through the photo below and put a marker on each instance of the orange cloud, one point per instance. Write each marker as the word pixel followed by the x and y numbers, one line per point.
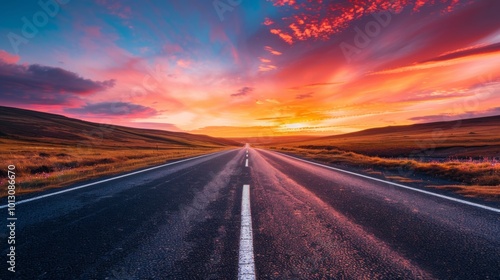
pixel 272 51
pixel 286 37
pixel 265 68
pixel 322 19
pixel 268 21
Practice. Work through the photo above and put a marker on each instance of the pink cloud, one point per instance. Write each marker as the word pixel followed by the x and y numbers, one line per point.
pixel 265 68
pixel 116 8
pixel 183 63
pixel 8 58
pixel 172 48
pixel 93 31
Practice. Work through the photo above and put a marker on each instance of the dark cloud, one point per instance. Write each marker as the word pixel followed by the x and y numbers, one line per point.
pixel 467 115
pixel 304 95
pixel 467 52
pixel 37 84
pixel 243 91
pixel 114 109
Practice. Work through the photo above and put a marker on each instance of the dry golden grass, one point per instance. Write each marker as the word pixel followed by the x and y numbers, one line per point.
pixel 46 166
pixel 488 192
pixel 465 152
pixel 402 179
pixel 51 151
pixel 479 177
pixel 372 172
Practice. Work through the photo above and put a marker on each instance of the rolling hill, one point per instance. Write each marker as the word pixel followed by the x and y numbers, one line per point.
pixel 38 127
pixel 477 137
pixel 50 151
pixel 461 156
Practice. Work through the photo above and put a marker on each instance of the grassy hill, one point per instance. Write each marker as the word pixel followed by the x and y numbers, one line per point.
pixel 51 150
pixel 38 127
pixel 466 153
pixel 466 138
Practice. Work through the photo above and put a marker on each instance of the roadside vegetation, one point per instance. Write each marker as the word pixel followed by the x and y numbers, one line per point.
pixel 474 177
pixel 43 167
pixel 461 155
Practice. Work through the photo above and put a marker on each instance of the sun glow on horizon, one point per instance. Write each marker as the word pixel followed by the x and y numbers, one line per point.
pixel 293 126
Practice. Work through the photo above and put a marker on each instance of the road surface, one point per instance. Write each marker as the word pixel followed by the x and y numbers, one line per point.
pixel 250 215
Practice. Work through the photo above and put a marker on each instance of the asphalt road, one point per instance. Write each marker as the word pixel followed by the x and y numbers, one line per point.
pixel 297 221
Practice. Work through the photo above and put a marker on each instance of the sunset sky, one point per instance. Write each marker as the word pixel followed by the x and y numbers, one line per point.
pixel 242 68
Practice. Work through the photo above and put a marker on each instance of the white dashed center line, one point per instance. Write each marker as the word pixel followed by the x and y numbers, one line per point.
pixel 246 264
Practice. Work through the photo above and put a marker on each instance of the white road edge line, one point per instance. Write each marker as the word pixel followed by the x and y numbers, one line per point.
pixel 246 163
pixel 106 180
pixel 401 186
pixel 246 263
